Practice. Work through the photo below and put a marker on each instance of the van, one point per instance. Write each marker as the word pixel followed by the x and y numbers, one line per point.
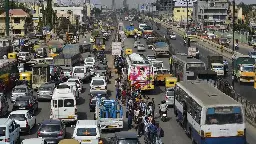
pixel 63 104
pixel 9 131
pixel 74 88
pixel 79 72
pixel 3 105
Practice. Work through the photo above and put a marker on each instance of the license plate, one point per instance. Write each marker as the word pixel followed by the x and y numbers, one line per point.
pixel 164 114
pixel 86 140
pixel 70 116
pixel 111 126
pixel 22 108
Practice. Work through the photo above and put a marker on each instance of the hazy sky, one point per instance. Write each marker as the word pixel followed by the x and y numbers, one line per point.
pixel 134 3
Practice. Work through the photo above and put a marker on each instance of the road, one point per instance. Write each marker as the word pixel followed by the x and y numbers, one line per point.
pixel 247 91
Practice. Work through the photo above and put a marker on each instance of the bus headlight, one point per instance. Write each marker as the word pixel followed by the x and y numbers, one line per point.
pixel 240 133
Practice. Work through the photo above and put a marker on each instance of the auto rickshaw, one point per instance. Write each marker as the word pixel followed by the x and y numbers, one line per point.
pixel 69 141
pixel 170 82
pixel 128 51
pixel 12 55
pixel 99 43
pixel 27 76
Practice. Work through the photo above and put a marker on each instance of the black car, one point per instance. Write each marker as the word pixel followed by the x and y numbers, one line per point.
pixel 26 103
pixel 124 137
pixel 94 95
pixel 52 131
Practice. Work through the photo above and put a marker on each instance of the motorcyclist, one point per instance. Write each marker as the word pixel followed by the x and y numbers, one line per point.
pixel 163 108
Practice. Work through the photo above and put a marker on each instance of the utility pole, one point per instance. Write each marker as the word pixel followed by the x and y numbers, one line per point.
pixel 187 14
pixel 233 47
pixel 7 18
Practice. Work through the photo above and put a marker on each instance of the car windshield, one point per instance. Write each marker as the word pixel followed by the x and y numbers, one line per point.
pixel 18 117
pixel 195 66
pixel 137 42
pixel 141 45
pixel 50 128
pixel 158 65
pixel 86 132
pixel 99 93
pixel 224 115
pixel 45 88
pixel 21 102
pixel 170 93
pixel 89 63
pixel 223 40
pixel 97 82
pixel 73 80
pixel 79 70
pixel 22 54
pixel 247 68
pixel 19 90
pixel 128 141
pixel 101 68
pixel 89 60
pixel 218 67
pixel 2 131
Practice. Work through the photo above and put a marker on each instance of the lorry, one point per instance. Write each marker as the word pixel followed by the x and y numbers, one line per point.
pixel 215 63
pixel 69 56
pixel 109 113
pixel 244 69
pixel 161 48
pixel 40 75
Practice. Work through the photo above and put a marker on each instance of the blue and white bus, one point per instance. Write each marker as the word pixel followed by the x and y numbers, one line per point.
pixel 208 115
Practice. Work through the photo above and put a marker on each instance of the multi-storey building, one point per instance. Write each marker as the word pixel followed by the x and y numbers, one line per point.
pixel 211 12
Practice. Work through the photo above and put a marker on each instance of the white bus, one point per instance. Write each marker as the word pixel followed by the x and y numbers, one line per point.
pixel 208 115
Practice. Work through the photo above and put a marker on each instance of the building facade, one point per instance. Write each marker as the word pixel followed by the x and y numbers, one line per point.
pixel 17 22
pixel 238 13
pixel 72 12
pixel 181 7
pixel 211 13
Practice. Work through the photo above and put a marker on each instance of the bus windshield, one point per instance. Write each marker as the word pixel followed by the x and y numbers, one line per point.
pixel 195 66
pixel 224 115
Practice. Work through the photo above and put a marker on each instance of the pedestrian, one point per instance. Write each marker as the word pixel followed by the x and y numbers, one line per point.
pixel 129 120
pixel 159 135
pixel 140 127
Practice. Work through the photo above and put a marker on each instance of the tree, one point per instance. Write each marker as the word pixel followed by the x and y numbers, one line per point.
pixel 48 14
pixel 96 11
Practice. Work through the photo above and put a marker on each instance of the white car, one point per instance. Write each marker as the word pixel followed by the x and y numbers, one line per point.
pixel 141 47
pixel 135 45
pixel 77 81
pixel 24 118
pixel 89 61
pixel 98 83
pixel 173 36
pixel 87 131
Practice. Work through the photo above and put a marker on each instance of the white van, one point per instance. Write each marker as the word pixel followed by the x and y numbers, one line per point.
pixel 73 87
pixel 63 104
pixel 79 72
pixel 87 131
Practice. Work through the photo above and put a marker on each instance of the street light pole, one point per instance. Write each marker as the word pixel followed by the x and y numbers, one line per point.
pixel 233 47
pixel 187 14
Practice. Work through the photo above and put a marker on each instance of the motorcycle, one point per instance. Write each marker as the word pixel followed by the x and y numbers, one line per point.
pixel 236 47
pixel 163 117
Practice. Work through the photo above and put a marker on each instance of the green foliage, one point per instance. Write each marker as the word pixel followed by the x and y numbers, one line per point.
pixel 96 11
pixel 48 14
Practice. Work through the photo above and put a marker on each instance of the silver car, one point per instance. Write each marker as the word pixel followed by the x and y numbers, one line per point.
pixel 141 47
pixel 20 90
pixel 45 91
pixel 169 96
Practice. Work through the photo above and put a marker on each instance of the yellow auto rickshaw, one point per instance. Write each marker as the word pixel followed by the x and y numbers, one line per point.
pixel 128 51
pixel 27 76
pixel 12 55
pixel 69 141
pixel 170 82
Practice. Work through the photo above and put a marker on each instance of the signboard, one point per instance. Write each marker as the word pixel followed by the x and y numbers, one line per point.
pixel 116 48
pixel 140 75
